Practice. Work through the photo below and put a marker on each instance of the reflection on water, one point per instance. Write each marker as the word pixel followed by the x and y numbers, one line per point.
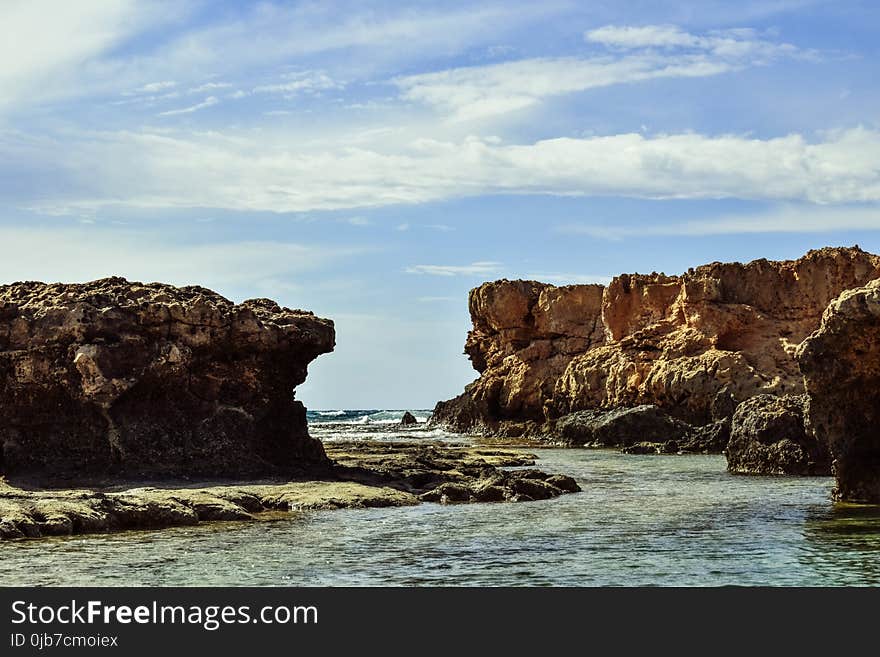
pixel 843 543
pixel 661 520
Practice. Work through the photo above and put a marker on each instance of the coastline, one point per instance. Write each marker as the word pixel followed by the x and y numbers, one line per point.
pixel 363 475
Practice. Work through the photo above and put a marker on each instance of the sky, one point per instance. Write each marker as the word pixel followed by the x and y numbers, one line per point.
pixel 373 161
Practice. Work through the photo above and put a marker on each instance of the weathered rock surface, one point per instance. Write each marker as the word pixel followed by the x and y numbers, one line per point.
pixel 672 341
pixel 363 475
pixel 620 428
pixel 408 420
pixel 841 367
pixel 112 377
pixel 768 436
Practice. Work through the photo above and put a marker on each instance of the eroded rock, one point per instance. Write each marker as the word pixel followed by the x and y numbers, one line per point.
pixel 621 427
pixel 841 367
pixel 113 377
pixel 675 342
pixel 768 436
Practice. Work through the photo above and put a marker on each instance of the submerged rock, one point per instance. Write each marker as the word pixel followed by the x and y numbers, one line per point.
pixel 116 377
pixel 841 367
pixel 677 342
pixel 768 437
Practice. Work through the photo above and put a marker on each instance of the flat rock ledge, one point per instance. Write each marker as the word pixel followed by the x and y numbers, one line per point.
pixel 364 475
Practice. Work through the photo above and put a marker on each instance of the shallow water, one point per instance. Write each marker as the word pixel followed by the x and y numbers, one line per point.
pixel 658 520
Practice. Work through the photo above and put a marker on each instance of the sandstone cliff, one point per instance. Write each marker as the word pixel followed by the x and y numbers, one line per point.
pixel 841 367
pixel 112 377
pixel 682 343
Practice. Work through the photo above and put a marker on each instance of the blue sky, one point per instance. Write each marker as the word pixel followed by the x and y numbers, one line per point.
pixel 373 161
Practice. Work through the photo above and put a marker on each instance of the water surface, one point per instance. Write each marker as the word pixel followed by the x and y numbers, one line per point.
pixel 655 520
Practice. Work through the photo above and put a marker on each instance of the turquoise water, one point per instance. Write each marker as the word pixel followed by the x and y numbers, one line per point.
pixel 657 520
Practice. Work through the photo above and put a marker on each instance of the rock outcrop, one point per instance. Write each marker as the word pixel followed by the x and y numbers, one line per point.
pixel 768 436
pixel 690 344
pixel 113 377
pixel 621 427
pixel 408 420
pixel 362 474
pixel 841 367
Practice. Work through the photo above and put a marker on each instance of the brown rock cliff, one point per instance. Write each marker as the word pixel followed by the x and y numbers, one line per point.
pixel 112 377
pixel 674 341
pixel 841 367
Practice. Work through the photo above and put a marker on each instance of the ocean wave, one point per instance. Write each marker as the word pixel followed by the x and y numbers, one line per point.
pixel 362 417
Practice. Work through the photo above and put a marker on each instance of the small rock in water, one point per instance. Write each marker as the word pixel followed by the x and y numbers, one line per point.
pixel 408 419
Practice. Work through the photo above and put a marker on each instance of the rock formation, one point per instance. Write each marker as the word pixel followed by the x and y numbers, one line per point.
pixel 841 367
pixel 408 420
pixel 362 474
pixel 768 436
pixel 112 377
pixel 621 427
pixel 689 344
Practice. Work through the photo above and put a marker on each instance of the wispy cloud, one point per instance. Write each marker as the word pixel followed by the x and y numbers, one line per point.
pixel 473 269
pixel 89 252
pixel 479 92
pixel 154 87
pixel 781 220
pixel 209 86
pixel 563 278
pixel 301 82
pixel 208 102
pixel 277 173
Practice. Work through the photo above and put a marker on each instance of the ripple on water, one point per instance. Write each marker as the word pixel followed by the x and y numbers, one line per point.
pixel 676 520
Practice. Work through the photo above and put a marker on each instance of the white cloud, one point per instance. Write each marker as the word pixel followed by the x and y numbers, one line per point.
pixel 209 86
pixel 780 220
pixel 473 269
pixel 47 46
pixel 563 278
pixel 479 92
pixel 87 253
pixel 303 82
pixel 278 172
pixel 154 87
pixel 664 36
pixel 208 102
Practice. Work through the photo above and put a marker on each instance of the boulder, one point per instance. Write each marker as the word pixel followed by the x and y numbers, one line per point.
pixel 768 436
pixel 621 427
pixel 408 420
pixel 121 378
pixel 841 367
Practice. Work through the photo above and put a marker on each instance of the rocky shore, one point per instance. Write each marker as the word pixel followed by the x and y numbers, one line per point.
pixel 126 405
pixel 360 475
pixel 774 363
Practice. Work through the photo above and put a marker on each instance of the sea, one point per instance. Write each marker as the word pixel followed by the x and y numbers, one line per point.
pixel 640 520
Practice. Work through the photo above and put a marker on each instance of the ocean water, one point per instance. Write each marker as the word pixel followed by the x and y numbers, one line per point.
pixel 640 520
pixel 373 424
